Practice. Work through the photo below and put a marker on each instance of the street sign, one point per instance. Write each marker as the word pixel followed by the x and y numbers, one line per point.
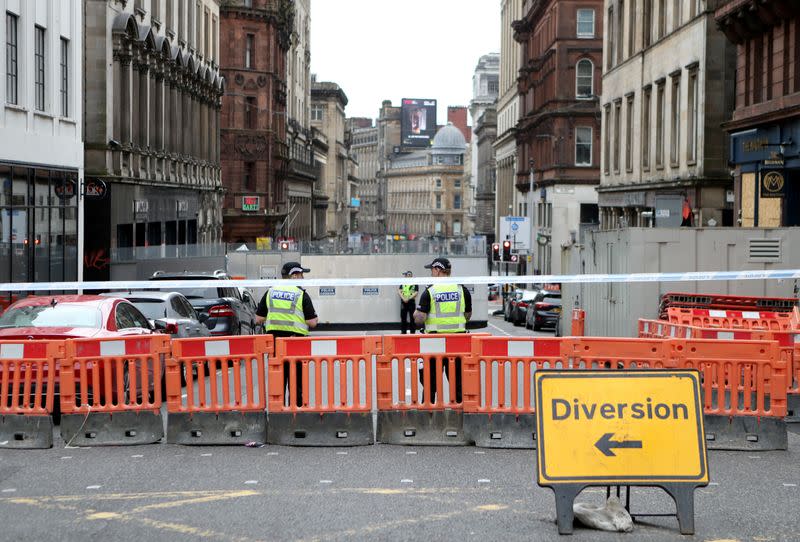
pixel 517 229
pixel 641 428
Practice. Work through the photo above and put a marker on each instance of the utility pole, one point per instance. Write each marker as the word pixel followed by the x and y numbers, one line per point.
pixel 532 240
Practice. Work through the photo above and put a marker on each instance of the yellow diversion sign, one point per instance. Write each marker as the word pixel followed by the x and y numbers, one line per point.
pixel 620 427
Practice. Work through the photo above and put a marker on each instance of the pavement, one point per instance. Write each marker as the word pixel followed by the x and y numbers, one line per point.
pixel 379 492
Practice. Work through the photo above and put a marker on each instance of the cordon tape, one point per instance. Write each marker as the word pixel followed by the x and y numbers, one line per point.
pixel 699 276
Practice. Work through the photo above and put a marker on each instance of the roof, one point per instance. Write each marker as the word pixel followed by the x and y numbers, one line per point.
pixel 449 140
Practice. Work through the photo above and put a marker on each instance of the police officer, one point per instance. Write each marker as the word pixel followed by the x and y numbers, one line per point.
pixel 408 302
pixel 287 311
pixel 444 308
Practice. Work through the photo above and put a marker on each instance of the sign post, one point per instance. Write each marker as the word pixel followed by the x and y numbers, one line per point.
pixel 627 427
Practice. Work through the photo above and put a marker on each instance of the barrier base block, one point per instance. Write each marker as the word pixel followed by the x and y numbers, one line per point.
pixel 422 427
pixel 792 408
pixel 746 433
pixel 501 430
pixel 320 429
pixel 112 429
pixel 26 432
pixel 216 428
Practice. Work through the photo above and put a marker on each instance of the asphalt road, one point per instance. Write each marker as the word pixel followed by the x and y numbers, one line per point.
pixel 380 492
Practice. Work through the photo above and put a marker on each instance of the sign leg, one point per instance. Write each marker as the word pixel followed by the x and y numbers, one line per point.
pixel 565 498
pixel 683 495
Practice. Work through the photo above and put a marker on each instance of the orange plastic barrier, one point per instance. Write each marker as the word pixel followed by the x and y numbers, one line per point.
pixel 28 379
pixel 578 322
pixel 320 391
pixel 769 321
pixel 113 376
pixel 226 390
pixel 724 302
pixel 426 412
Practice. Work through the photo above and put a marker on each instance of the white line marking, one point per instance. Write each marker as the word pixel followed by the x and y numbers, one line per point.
pixel 251 481
pixel 406 481
pixel 10 490
pixel 326 481
pixel 753 457
pixel 341 453
pixel 479 452
pixel 506 333
pixel 789 485
pixel 272 453
pixel 484 481
pixel 67 457
pixel 137 455
pixel 205 455
pixel 713 483
pixel 93 487
pixel 411 453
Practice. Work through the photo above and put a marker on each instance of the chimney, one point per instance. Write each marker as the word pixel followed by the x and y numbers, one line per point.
pixel 457 115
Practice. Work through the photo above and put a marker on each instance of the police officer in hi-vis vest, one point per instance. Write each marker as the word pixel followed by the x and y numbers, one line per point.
pixel 444 308
pixel 287 311
pixel 408 302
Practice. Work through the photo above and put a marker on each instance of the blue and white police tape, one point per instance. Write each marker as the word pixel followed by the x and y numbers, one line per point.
pixel 699 276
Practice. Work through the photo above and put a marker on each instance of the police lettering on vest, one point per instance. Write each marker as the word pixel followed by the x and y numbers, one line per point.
pixel 442 297
pixel 285 296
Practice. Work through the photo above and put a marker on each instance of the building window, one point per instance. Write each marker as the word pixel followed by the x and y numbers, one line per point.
pixel 198 37
pixel 676 13
pixel 39 68
pixel 584 79
pixel 691 129
pixel 169 17
pixel 629 133
pixel 632 15
pixel 438 201
pixel 607 140
pixel 662 19
pixel 583 146
pixel 12 65
pixel 493 85
pixel 457 201
pixel 617 126
pixel 64 77
pixel 611 35
pixel 457 183
pixel 250 112
pixel 645 134
pixel 585 23
pixel 317 112
pixel 438 227
pixel 647 17
pixel 207 33
pixel 248 3
pixel 660 125
pixel 675 121
pixel 620 41
pixel 249 51
pixel 438 183
pixel 456 227
pixel 248 183
pixel 214 36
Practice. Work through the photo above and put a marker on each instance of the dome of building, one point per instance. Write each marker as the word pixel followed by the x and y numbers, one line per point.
pixel 449 140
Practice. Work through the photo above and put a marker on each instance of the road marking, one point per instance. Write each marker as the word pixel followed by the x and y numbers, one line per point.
pixel 198 500
pixel 406 481
pixel 789 485
pixel 504 332
pixel 93 487
pixel 326 481
pixel 411 453
pixel 10 490
pixel 713 483
pixel 104 515
pixel 491 507
pixel 205 455
pixel 753 457
pixel 67 457
pixel 272 453
pixel 341 453
pixel 479 452
pixel 137 455
pixel 484 481
pixel 251 482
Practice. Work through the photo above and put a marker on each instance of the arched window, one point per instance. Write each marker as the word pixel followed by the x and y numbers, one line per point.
pixel 584 78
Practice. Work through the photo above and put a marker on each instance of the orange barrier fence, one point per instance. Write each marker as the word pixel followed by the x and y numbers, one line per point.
pixel 578 322
pixel 122 377
pixel 768 321
pixel 226 390
pixel 28 379
pixel 320 391
pixel 724 302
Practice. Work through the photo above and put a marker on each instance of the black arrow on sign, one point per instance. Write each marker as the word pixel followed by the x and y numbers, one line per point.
pixel 604 444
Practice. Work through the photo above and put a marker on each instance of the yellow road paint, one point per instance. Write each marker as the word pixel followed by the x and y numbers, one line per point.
pixel 103 515
pixel 490 507
pixel 610 427
pixel 196 500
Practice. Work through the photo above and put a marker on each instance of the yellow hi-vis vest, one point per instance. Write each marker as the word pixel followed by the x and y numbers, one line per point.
pixel 285 310
pixel 447 310
pixel 408 290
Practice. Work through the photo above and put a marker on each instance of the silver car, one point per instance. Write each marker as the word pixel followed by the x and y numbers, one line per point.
pixel 168 312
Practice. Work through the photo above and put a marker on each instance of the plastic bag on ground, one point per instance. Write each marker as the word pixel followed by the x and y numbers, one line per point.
pixel 609 517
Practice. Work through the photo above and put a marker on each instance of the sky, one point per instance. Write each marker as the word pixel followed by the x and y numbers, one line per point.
pixel 392 49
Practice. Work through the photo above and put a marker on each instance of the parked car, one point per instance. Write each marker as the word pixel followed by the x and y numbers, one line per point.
pixel 509 302
pixel 494 291
pixel 544 310
pixel 55 317
pixel 168 312
pixel 224 310
pixel 519 306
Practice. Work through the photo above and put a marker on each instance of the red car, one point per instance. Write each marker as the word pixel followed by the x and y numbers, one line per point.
pixel 73 317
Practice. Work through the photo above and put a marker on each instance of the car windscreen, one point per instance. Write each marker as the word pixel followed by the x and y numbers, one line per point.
pixel 198 293
pixel 153 309
pixel 528 295
pixel 52 316
pixel 552 300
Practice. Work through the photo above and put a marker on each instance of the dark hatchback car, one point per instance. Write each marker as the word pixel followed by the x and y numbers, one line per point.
pixel 544 310
pixel 224 310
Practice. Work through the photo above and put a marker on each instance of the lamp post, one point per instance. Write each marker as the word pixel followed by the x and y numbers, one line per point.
pixel 531 185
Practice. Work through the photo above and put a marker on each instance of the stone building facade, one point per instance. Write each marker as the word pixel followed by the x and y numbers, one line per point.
pixel 485 131
pixel 41 144
pixel 151 133
pixel 508 200
pixel 485 88
pixel 667 88
pixel 255 155
pixel 338 176
pixel 364 150
pixel 426 193
pixel 765 125
pixel 559 126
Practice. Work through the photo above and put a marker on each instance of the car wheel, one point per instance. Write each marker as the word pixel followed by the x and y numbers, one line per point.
pixel 537 327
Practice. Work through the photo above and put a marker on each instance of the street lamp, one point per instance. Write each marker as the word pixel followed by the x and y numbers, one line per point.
pixel 531 185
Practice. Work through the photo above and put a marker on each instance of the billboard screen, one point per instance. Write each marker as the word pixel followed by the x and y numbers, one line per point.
pixel 418 124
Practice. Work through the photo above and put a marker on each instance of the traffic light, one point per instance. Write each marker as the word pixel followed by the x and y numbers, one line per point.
pixel 495 252
pixel 506 250
pixel 284 245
